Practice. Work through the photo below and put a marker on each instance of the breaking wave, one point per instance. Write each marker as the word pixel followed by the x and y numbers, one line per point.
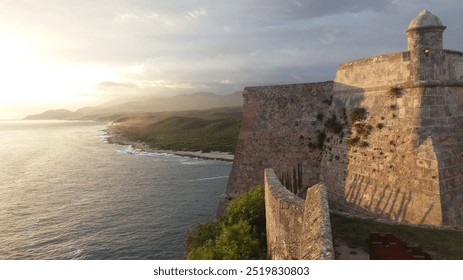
pixel 130 150
pixel 102 134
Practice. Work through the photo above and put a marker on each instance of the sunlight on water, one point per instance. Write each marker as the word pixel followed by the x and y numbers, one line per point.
pixel 67 194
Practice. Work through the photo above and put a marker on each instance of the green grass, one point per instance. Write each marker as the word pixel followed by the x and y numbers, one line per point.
pixel 190 133
pixel 440 243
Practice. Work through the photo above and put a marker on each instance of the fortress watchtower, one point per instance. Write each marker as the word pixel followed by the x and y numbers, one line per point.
pixel 425 45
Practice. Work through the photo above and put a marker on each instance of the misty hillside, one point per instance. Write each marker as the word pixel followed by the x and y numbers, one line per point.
pixel 52 115
pixel 182 102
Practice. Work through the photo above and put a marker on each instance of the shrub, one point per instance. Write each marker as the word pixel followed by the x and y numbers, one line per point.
pixel 395 92
pixel 358 114
pixel 321 140
pixel 333 125
pixel 321 136
pixel 364 144
pixel 239 235
pixel 201 235
pixel 353 141
pixel 356 141
pixel 363 129
pixel 328 101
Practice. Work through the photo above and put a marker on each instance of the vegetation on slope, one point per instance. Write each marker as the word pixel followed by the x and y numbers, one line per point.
pixel 239 236
pixel 187 133
pixel 206 130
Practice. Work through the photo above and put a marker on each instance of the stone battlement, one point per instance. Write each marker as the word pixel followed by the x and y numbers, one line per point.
pixel 385 137
pixel 297 228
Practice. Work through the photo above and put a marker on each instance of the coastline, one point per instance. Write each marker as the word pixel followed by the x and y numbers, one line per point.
pixel 114 136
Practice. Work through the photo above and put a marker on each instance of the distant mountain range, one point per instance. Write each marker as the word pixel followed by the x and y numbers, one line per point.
pixel 111 111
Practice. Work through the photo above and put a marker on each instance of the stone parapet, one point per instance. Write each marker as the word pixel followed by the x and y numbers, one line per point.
pixel 297 229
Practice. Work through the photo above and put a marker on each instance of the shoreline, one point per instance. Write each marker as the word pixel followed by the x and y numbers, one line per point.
pixel 114 136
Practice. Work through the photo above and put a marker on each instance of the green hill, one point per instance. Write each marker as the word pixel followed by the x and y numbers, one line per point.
pixel 185 133
pixel 201 130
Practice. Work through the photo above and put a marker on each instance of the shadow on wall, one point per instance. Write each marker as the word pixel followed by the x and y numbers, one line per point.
pixel 440 128
pixel 388 175
pixel 293 181
pixel 386 202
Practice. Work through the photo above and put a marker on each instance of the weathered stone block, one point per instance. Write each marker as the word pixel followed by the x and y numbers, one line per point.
pixel 427 101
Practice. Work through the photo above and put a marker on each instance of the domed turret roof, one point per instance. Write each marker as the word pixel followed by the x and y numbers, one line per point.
pixel 425 19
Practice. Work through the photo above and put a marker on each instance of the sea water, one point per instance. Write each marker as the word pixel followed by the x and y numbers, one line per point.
pixel 65 193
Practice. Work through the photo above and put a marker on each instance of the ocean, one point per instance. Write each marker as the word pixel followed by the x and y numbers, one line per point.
pixel 65 193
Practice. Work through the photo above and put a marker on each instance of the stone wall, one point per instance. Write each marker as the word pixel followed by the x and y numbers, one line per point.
pixel 397 69
pixel 297 229
pixel 405 166
pixel 401 161
pixel 454 64
pixel 373 71
pixel 279 129
pixel 386 166
pixel 441 125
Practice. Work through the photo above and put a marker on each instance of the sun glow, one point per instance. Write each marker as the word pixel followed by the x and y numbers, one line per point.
pixel 28 77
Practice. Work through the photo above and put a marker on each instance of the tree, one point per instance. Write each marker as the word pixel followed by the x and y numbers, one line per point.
pixel 240 235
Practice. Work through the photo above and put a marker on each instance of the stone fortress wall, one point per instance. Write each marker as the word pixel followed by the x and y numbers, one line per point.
pixel 410 168
pixel 390 178
pixel 278 124
pixel 385 137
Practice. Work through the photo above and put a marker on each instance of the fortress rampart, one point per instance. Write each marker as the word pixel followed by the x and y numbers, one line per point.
pixel 385 137
pixel 276 131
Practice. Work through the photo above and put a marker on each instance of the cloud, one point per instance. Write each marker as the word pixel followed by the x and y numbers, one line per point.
pixel 298 3
pixel 111 86
pixel 163 84
pixel 329 36
pixel 196 14
pixel 154 45
pixel 127 17
pixel 305 9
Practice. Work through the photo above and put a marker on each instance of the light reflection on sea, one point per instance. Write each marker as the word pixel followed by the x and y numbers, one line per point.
pixel 65 194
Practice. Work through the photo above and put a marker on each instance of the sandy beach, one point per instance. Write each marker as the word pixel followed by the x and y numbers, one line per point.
pixel 115 136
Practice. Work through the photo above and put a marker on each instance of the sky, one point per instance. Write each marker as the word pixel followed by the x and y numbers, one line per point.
pixel 69 54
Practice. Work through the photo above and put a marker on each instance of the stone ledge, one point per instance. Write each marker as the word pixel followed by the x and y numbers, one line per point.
pixel 297 229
